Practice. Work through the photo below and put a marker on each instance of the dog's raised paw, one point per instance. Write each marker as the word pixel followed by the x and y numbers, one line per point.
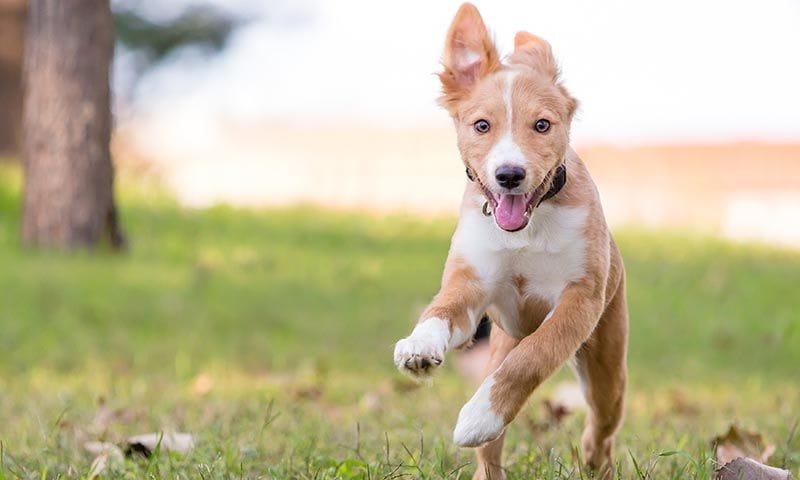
pixel 417 357
pixel 477 422
pixel 420 353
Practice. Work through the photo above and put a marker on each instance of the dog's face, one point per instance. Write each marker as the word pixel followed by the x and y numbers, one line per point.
pixel 512 121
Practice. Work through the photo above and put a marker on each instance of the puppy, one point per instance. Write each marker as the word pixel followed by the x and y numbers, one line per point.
pixel 531 248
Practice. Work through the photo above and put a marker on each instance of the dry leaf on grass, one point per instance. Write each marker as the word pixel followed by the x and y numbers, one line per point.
pixel 147 443
pixel 555 412
pixel 749 469
pixel 100 448
pixel 567 398
pixel 105 454
pixel 736 443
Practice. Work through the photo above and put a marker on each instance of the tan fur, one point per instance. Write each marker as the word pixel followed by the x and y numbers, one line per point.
pixel 532 310
pixel 460 292
pixel 588 320
pixel 467 33
pixel 485 101
pixel 590 323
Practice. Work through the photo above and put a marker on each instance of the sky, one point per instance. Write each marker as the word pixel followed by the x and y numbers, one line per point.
pixel 682 70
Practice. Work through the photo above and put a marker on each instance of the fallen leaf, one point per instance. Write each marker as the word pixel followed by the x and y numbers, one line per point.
pixel 98 466
pixel 147 443
pixel 736 443
pixel 749 469
pixel 555 413
pixel 567 398
pixel 105 454
pixel 99 448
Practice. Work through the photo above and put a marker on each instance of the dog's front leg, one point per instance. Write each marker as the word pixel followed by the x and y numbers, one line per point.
pixel 448 322
pixel 504 392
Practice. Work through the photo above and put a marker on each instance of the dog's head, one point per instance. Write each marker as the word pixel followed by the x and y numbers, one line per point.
pixel 512 120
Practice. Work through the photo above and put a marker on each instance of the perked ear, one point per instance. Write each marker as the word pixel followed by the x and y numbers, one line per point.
pixel 534 52
pixel 469 55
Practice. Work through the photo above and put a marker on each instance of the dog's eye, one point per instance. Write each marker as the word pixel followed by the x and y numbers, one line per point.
pixel 541 125
pixel 481 126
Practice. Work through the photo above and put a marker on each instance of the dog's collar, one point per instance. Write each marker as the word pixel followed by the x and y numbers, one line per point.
pixel 559 180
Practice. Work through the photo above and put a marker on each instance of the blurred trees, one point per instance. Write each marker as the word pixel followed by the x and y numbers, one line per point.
pixel 68 196
pixel 198 24
pixel 201 25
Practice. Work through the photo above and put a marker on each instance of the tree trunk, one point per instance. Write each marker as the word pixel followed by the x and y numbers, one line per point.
pixel 68 201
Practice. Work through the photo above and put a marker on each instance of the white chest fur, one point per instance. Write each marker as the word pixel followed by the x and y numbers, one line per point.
pixel 548 254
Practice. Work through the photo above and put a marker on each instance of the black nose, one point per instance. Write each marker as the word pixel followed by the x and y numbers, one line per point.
pixel 509 177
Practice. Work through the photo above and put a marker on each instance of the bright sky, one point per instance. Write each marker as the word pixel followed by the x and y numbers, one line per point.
pixel 644 71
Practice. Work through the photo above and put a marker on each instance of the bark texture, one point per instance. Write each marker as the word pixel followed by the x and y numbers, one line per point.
pixel 68 200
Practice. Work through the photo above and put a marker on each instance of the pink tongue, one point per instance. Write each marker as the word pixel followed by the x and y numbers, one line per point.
pixel 510 212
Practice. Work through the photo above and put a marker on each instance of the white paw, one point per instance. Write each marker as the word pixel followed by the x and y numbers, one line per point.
pixel 417 357
pixel 422 351
pixel 477 423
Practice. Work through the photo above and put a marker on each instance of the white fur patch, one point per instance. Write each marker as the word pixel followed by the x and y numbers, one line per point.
pixel 434 330
pixel 505 151
pixel 549 253
pixel 557 253
pixel 465 58
pixel 477 423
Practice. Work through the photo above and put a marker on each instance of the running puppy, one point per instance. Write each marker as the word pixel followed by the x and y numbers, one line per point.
pixel 531 248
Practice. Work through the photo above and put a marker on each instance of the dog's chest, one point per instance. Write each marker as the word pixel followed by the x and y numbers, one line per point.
pixel 526 276
pixel 527 294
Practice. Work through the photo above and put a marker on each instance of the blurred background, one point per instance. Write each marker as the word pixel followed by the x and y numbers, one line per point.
pixel 333 103
pixel 284 188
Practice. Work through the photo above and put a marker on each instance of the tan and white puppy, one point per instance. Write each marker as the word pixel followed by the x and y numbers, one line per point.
pixel 545 268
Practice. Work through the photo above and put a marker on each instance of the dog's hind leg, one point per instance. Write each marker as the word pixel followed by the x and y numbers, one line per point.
pixel 601 368
pixel 489 455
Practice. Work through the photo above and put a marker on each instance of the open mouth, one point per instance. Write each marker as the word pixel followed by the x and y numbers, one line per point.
pixel 512 211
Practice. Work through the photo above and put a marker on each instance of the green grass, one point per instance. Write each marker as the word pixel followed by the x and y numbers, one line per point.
pixel 292 314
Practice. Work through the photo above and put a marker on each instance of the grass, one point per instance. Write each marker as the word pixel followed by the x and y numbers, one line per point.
pixel 268 334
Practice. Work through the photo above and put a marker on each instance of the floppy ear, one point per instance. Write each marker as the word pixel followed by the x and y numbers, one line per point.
pixel 469 55
pixel 534 52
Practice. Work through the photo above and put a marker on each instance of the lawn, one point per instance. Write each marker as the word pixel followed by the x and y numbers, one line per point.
pixel 268 335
